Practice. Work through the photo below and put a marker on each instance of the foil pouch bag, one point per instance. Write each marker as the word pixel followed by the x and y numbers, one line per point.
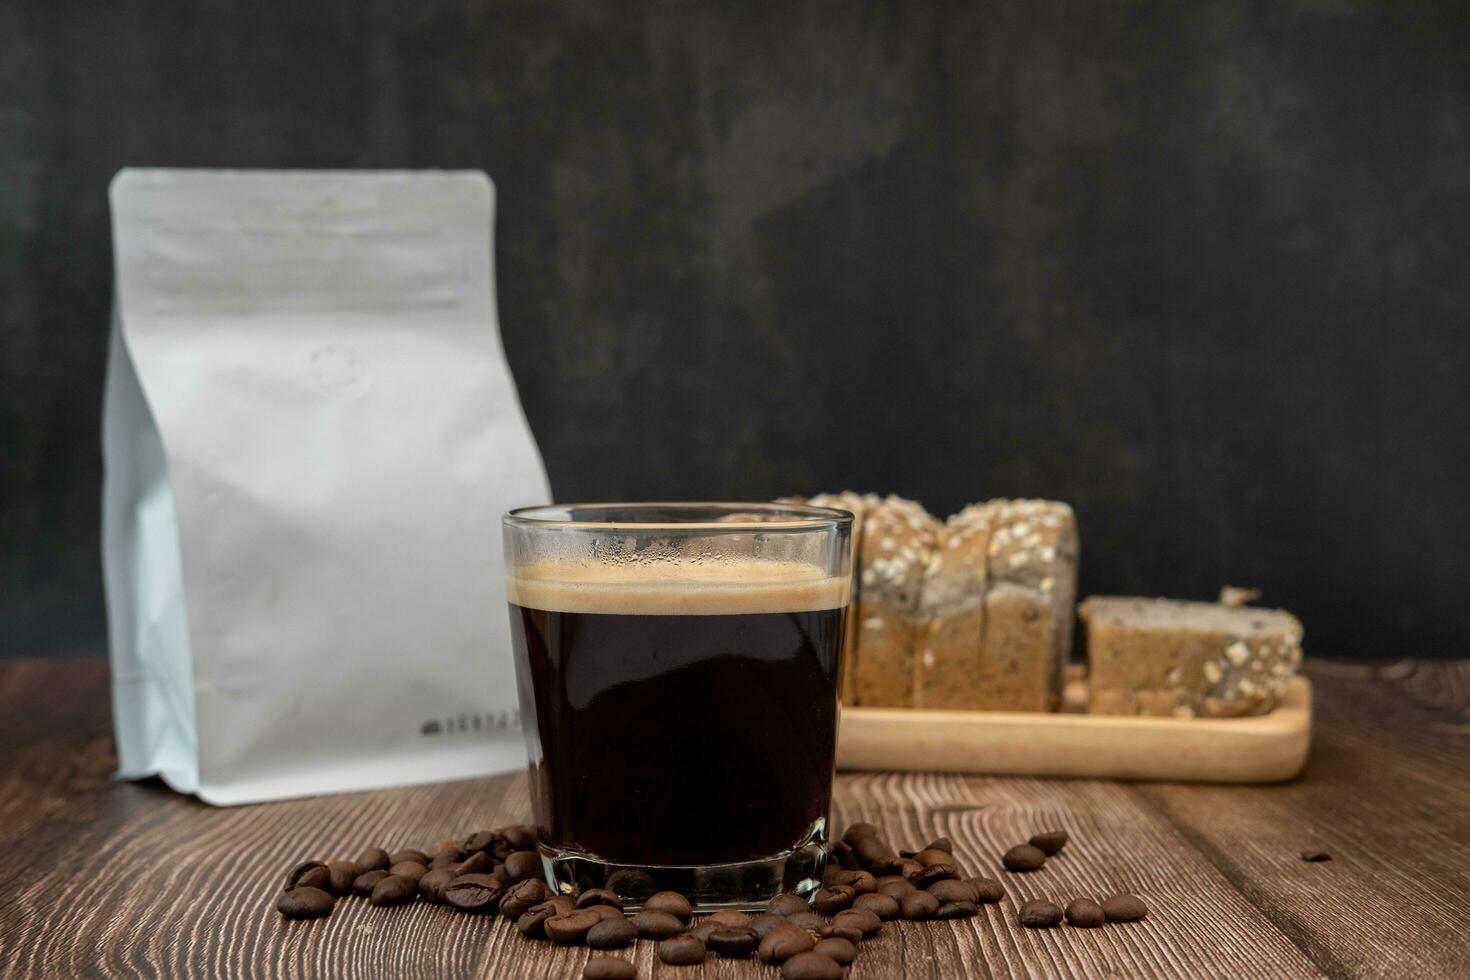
pixel 310 432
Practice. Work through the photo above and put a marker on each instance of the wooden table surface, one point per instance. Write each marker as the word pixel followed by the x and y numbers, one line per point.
pixel 101 878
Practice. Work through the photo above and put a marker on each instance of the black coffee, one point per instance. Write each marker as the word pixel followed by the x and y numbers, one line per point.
pixel 662 737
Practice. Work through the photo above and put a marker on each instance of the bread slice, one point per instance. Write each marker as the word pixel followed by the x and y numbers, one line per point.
pixel 998 608
pixel 1187 659
pixel 898 542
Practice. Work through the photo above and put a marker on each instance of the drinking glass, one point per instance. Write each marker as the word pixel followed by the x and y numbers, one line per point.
pixel 678 668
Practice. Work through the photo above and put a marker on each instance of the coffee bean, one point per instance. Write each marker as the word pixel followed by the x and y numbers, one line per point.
pixel 606 912
pixel 393 890
pixel 530 924
pixel 558 904
pixel 908 868
pixel 671 902
pixel 409 869
pixel 951 890
pixel 305 902
pixel 784 942
pixel 520 837
pixel 763 924
pixel 840 853
pixel 445 846
pixel 499 870
pixel 863 919
pixel 956 910
pixel 940 844
pixel 570 928
pixel 527 864
pixel 704 929
pixel 599 896
pixel 483 841
pixel 475 893
pixel 608 968
pixel 1316 856
pixel 730 917
pixel 445 859
pixel 1024 857
pixel 518 898
pixel 656 925
pixel 373 859
pixel 896 889
pixel 807 920
pixel 849 932
pixel 987 890
pixel 408 854
pixel 1050 842
pixel 432 885
pixel 632 885
pixel 1124 908
pixel 309 874
pixel 918 905
pixel 683 950
pixel 834 948
pixel 787 904
pixel 882 880
pixel 341 874
pixel 933 873
pixel 732 942
pixel 612 933
pixel 811 965
pixel 477 863
pixel 364 883
pixel 1038 913
pixel 873 852
pixel 1085 913
pixel 883 906
pixel 931 856
pixel 860 882
pixel 830 901
pixel 856 831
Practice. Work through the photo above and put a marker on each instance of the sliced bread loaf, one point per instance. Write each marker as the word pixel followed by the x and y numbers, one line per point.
pixel 898 541
pixel 1187 659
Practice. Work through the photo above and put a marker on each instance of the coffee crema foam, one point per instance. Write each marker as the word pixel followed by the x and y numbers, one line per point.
pixel 685 589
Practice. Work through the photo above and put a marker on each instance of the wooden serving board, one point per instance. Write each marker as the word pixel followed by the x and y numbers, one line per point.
pixel 1266 749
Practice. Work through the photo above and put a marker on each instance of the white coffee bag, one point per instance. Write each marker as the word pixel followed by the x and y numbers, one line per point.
pixel 310 434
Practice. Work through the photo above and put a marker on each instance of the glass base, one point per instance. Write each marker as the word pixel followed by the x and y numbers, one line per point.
pixel 744 885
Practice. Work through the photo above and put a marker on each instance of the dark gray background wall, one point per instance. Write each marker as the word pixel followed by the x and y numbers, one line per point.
pixel 1201 269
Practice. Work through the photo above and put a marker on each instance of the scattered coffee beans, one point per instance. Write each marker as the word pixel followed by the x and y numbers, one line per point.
pixel 1024 857
pixel 863 919
pixel 364 883
pixel 475 893
pixel 309 874
pixel 612 933
pixel 656 925
pixel 373 859
pixel 1084 913
pixel 810 921
pixel 444 859
pixel 606 912
pixel 846 930
pixel 732 942
pixel 570 928
pixel 1124 908
pixel 1316 856
pixel 896 889
pixel 409 869
pixel 477 863
pixel 342 874
pixel 599 896
pixel 933 873
pixel 609 968
pixel 918 905
pixel 841 950
pixel 932 855
pixel 763 924
pixel 305 902
pixel 831 901
pixel 530 925
pixel 883 906
pixel 393 890
pixel 685 950
pixel 784 942
pixel 940 844
pixel 432 885
pixel 407 855
pixel 987 890
pixel 703 930
pixel 523 865
pixel 952 890
pixel 788 904
pixel 860 882
pixel 956 910
pixel 484 840
pixel 445 846
pixel 671 902
pixel 1038 913
pixel 518 898
pixel 731 917
pixel 1050 842
pixel 811 965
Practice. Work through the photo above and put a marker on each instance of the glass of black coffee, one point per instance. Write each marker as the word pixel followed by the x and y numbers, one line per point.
pixel 678 669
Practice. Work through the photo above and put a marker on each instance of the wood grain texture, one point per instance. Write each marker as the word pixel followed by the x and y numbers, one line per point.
pixel 114 879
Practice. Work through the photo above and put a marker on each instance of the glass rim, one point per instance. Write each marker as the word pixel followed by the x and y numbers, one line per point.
pixel 803 517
